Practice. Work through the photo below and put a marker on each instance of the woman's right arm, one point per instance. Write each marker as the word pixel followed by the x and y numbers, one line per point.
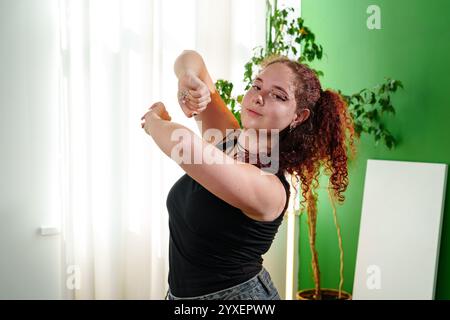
pixel 216 115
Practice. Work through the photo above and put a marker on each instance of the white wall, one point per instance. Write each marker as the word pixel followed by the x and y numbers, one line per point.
pixel 29 263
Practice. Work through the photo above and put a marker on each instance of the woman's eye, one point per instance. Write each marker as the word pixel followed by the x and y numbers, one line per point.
pixel 280 97
pixel 275 95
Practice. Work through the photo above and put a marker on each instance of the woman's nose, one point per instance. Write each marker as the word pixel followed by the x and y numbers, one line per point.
pixel 259 99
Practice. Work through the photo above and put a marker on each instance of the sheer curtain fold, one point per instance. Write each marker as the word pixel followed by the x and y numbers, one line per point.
pixel 116 58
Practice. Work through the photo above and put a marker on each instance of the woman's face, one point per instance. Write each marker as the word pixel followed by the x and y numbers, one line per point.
pixel 270 102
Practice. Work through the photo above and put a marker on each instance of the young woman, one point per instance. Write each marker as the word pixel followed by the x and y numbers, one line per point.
pixel 223 215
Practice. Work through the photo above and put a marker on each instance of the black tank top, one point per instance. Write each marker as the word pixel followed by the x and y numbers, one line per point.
pixel 213 245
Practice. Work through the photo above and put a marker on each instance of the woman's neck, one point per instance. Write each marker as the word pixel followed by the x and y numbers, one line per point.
pixel 256 141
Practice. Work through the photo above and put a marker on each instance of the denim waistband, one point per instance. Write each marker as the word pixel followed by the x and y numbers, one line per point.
pixel 263 276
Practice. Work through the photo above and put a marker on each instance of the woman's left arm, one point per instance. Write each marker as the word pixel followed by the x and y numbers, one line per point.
pixel 176 140
pixel 259 195
pixel 172 138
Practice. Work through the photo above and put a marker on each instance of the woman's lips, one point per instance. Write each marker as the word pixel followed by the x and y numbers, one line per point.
pixel 253 113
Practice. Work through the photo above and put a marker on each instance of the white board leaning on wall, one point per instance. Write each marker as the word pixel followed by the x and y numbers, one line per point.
pixel 400 230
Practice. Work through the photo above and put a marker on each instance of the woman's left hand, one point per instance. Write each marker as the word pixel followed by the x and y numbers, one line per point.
pixel 156 111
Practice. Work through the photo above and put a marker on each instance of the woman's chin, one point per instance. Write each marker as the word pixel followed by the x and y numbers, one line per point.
pixel 250 123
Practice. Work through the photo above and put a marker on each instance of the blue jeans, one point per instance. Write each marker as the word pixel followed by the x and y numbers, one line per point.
pixel 260 287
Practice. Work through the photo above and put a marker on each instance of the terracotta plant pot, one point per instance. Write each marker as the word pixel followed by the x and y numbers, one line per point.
pixel 327 294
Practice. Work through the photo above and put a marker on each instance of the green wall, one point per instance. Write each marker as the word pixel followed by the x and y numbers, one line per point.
pixel 413 46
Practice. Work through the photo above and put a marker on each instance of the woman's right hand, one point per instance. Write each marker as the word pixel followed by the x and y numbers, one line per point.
pixel 193 94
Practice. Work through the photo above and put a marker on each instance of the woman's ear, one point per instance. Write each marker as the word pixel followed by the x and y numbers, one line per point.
pixel 301 116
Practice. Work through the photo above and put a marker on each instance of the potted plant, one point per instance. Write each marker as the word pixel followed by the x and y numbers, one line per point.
pixel 292 38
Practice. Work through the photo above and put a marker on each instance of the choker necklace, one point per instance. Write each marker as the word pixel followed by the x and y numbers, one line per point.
pixel 241 152
pixel 240 148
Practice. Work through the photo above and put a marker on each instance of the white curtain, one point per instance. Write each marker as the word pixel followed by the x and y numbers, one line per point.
pixel 116 59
